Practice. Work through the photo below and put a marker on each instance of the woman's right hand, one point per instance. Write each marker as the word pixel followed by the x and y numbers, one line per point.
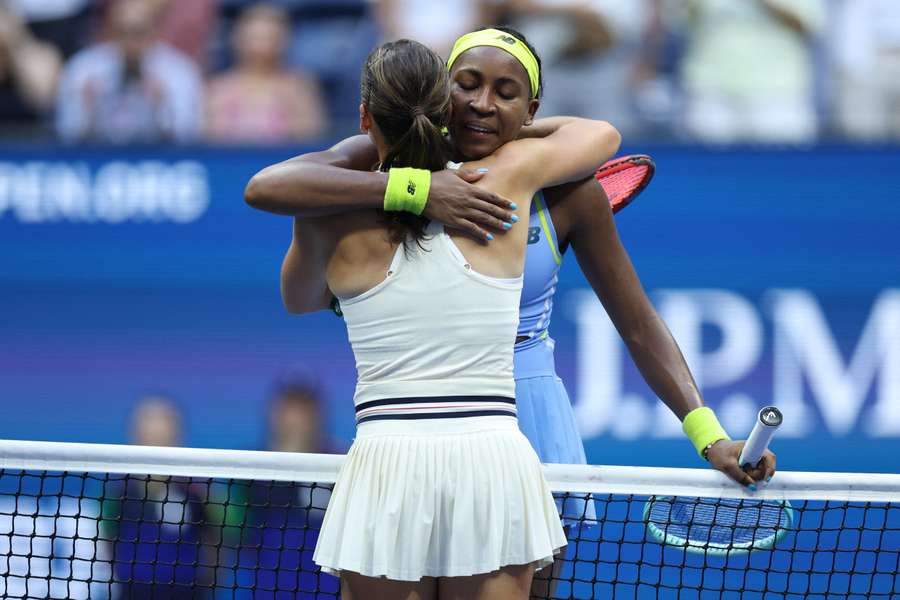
pixel 724 456
pixel 454 201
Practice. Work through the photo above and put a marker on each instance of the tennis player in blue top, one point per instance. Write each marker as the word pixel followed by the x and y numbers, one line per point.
pixel 575 215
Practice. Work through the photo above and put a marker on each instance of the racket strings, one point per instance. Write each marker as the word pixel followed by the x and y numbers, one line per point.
pixel 721 523
pixel 622 184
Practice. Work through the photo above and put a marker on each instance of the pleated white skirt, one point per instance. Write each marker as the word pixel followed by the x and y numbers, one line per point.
pixel 439 498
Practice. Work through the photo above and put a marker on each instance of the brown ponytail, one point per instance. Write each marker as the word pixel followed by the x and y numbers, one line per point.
pixel 406 89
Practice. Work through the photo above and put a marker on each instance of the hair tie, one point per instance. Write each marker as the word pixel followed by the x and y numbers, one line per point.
pixel 417 111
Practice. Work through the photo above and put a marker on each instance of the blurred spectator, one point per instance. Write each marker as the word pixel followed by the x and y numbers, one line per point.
pixel 28 72
pixel 296 423
pixel 260 101
pixel 867 57
pixel 164 541
pixel 589 50
pixel 283 518
pixel 748 70
pixel 188 26
pixel 156 421
pixel 132 88
pixel 63 23
pixel 331 39
pixel 435 24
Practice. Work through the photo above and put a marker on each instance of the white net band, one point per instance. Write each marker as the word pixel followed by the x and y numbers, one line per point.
pixel 323 468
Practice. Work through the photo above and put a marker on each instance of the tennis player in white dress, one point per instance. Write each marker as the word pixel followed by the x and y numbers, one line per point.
pixel 441 495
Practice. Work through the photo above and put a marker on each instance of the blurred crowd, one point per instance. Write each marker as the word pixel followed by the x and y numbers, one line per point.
pixel 177 537
pixel 285 71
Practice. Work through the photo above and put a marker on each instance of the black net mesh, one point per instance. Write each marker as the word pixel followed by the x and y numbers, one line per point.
pixel 832 550
pixel 76 535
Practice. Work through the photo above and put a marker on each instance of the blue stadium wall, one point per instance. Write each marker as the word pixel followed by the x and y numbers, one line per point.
pixel 125 272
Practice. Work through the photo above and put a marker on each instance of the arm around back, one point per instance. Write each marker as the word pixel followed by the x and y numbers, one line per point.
pixel 561 149
pixel 333 181
pixel 340 180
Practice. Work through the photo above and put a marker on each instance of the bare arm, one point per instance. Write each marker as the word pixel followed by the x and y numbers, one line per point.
pixel 522 167
pixel 303 285
pixel 341 180
pixel 35 65
pixel 330 182
pixel 608 268
pixel 560 149
pixel 541 128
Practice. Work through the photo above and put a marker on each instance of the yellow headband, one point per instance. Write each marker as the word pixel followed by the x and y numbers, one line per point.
pixel 504 41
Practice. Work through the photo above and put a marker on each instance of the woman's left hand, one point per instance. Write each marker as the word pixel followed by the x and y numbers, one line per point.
pixel 455 201
pixel 724 455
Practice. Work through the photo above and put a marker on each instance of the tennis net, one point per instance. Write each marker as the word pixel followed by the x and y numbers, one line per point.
pixel 104 521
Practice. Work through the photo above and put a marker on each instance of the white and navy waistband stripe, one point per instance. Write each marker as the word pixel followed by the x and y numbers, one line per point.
pixel 439 407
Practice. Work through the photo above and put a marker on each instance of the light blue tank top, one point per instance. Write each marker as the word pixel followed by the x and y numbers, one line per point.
pixel 534 356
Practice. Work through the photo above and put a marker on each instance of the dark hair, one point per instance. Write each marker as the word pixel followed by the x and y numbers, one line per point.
pixel 406 89
pixel 296 380
pixel 521 37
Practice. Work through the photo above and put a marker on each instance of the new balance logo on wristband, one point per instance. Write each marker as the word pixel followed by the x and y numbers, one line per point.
pixel 411 188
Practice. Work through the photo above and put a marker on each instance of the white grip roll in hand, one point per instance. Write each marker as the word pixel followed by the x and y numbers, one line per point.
pixel 768 420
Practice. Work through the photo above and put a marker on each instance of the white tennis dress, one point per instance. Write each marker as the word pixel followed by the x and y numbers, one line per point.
pixel 439 481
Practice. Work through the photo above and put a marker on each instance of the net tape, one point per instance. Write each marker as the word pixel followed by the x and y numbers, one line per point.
pixel 101 521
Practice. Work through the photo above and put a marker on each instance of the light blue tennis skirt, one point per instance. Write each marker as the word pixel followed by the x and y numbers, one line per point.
pixel 546 418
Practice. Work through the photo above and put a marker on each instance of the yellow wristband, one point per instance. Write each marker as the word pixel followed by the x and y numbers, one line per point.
pixel 703 428
pixel 407 190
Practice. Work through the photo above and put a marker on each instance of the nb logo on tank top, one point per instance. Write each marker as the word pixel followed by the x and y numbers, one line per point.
pixel 534 235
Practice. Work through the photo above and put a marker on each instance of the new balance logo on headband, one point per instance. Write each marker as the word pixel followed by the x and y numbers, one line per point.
pixel 508 39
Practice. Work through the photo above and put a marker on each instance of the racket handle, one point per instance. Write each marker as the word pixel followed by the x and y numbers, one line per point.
pixel 768 420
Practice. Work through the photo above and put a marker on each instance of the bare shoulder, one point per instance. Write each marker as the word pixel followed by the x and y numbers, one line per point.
pixel 504 255
pixel 510 173
pixel 352 224
pixel 575 204
pixel 577 199
pixel 361 253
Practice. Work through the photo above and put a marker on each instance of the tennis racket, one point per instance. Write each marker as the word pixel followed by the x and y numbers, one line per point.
pixel 767 423
pixel 724 525
pixel 624 178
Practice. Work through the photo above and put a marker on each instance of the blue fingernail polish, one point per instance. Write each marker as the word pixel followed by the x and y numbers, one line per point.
pixel 752 487
pixel 507 226
pixel 768 479
pixel 513 206
pixel 489 237
pixel 482 170
pixel 514 218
